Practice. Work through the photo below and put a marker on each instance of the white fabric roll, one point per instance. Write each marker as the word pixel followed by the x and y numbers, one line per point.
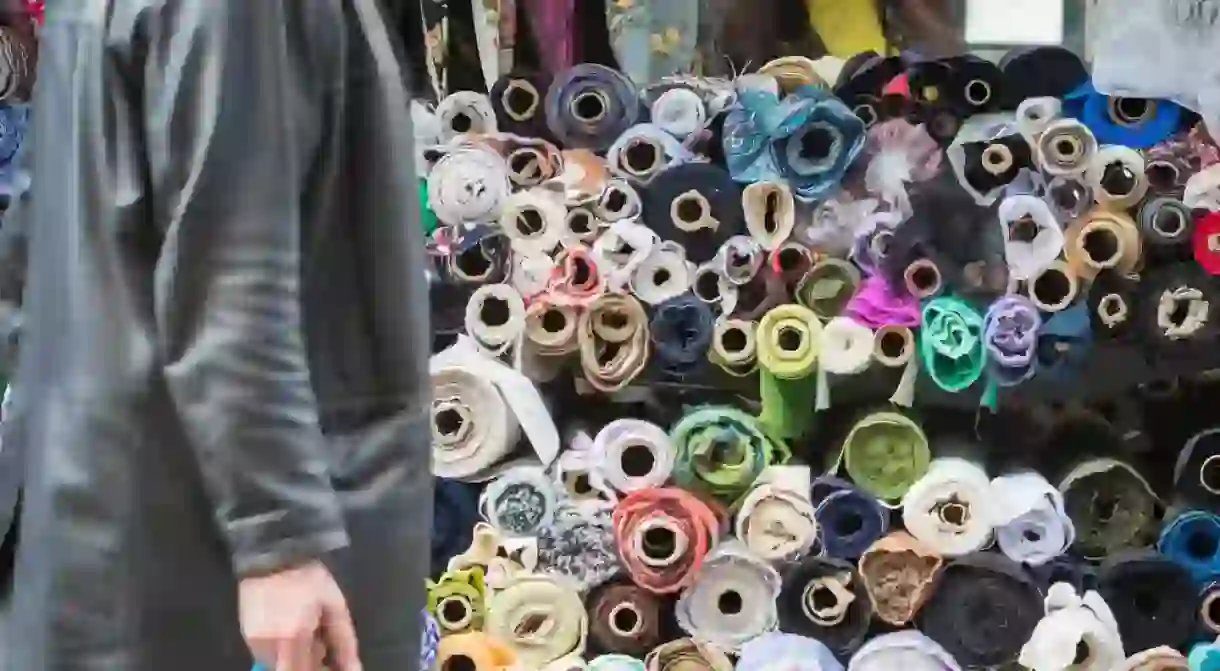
pixel 951 508
pixel 578 471
pixel 618 201
pixel 1027 257
pixel 770 212
pixel 663 151
pixel 732 599
pixel 663 274
pixel 1069 622
pixel 846 349
pixel 776 520
pixel 535 221
pixel 1034 115
pixel 902 651
pixel 635 454
pixel 495 317
pixel 541 617
pixel 469 184
pixel 1126 159
pixel 1202 190
pixel 1032 526
pixel 617 267
pixel 787 652
pixel 465 112
pixel 679 111
pixel 1066 147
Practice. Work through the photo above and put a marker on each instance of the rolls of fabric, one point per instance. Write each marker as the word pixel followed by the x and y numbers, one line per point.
pixel 576 280
pixel 590 105
pixel 1066 147
pixel 1178 304
pixel 735 347
pixel 579 544
pixel 495 317
pixel 846 349
pixel 685 653
pixel 463 112
pixel 518 100
pixel 775 649
pixel 1054 288
pixel 1102 240
pixel 643 152
pixel 539 617
pixel 1166 225
pixel 732 600
pixel 663 536
pixel 951 346
pixel 615 663
pixel 1133 122
pixel 1064 341
pixel 499 556
pixel 696 205
pixel 776 520
pixel 1209 607
pixel 1153 600
pixel 901 154
pixel 951 508
pixel 849 520
pixel 898 573
pixel 1032 235
pixel 721 452
pixel 1068 197
pixel 624 618
pixel 635 455
pixel 885 454
pixel 480 255
pixel 469 184
pixel 788 340
pixel 909 650
pixel 1113 304
pixel 679 111
pixel 475 650
pixel 1196 474
pixel 1077 632
pixel 828 287
pixel 825 599
pixel 613 340
pixel 663 275
pixel 1192 540
pixel 473 428
pixel 618 201
pixel 877 305
pixel 770 212
pixel 1111 506
pixel 983 608
pixel 1162 658
pixel 1010 330
pixel 457 601
pixel 1203 657
pixel 681 330
pixel 739 260
pixel 1032 525
pixel 521 501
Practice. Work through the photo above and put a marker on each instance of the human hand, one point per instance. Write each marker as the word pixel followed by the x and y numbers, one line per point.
pixel 293 618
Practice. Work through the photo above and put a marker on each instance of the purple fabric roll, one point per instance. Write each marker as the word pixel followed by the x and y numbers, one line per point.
pixel 876 305
pixel 1010 331
pixel 553 23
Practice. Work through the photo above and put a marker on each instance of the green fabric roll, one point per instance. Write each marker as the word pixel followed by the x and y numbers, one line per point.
pixel 787 343
pixel 828 287
pixel 951 343
pixel 427 218
pixel 885 453
pixel 720 451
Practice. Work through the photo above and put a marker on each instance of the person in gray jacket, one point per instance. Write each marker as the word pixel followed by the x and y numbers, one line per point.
pixel 220 416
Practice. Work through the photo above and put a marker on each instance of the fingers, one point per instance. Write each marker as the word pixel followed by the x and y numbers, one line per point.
pixel 340 635
pixel 296 653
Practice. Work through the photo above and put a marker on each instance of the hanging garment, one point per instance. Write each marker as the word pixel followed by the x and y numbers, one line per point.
pixel 228 406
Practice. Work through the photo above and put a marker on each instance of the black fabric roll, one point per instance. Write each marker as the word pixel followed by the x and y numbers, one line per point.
pixel 1153 600
pixel 984 608
pixel 976 85
pixel 1113 302
pixel 1112 511
pixel 1035 72
pixel 519 100
pixel 984 180
pixel 861 83
pixel 805 591
pixel 1156 289
pixel 672 196
pixel 953 232
pixel 1074 571
pixel 1196 475
pixel 1166 225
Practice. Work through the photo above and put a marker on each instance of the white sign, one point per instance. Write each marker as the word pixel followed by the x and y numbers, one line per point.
pixel 1014 21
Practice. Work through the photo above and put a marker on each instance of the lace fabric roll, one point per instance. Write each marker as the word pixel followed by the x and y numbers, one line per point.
pixel 876 305
pixel 679 111
pixel 1157 659
pixel 898 573
pixel 1113 304
pixel 686 654
pixel 590 105
pixel 579 544
pixel 495 317
pixel 696 205
pixel 1153 600
pixel 476 651
pixel 643 152
pixel 458 601
pixel 788 342
pixel 849 520
pixel 613 341
pixel 664 275
pixel 518 103
pixel 1166 225
pixel 1054 288
pixel 1066 147
pixel 770 212
pixel 734 347
pixel 721 451
pixel 900 154
pixel 465 112
pixel 455 508
pixel 469 184
pixel 983 608
pixel 1192 540
pixel 663 535
pixel 1111 505
pixel 1076 633
pixel 828 287
pixel 1196 474
pixel 885 453
pixel 520 502
pixel 951 345
pixel 635 454
pixel 907 650
pixel 825 599
pixel 1010 331
pixel 624 619
pixel 776 520
pixel 786 651
pixel 732 600
pixel 540 617
pixel 681 332
pixel 1032 526
pixel 1032 236
pixel 951 508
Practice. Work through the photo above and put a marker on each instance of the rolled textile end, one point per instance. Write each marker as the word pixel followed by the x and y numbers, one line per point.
pixel 612 335
pixel 1054 288
pixel 1102 240
pixel 474 651
pixel 922 279
pixel 770 212
pixel 898 571
pixel 828 286
pixel 1116 175
pixel 1066 147
pixel 734 347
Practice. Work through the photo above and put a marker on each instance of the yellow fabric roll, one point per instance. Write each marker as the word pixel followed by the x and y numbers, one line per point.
pixel 847 27
pixel 486 653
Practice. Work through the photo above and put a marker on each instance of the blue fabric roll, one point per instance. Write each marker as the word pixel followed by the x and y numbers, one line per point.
pixel 681 331
pixel 455 512
pixel 1192 540
pixel 849 520
pixel 1101 113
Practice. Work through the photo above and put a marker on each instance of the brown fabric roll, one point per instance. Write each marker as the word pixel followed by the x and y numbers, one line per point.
pixel 624 619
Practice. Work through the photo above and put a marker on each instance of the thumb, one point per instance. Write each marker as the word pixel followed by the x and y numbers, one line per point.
pixel 340 635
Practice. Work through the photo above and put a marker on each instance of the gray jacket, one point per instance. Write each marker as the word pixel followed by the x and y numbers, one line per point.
pixel 224 332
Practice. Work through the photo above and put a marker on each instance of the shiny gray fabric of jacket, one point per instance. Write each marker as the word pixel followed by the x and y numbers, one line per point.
pixel 224 331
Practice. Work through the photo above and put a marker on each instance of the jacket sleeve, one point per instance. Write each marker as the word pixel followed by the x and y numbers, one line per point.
pixel 233 109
